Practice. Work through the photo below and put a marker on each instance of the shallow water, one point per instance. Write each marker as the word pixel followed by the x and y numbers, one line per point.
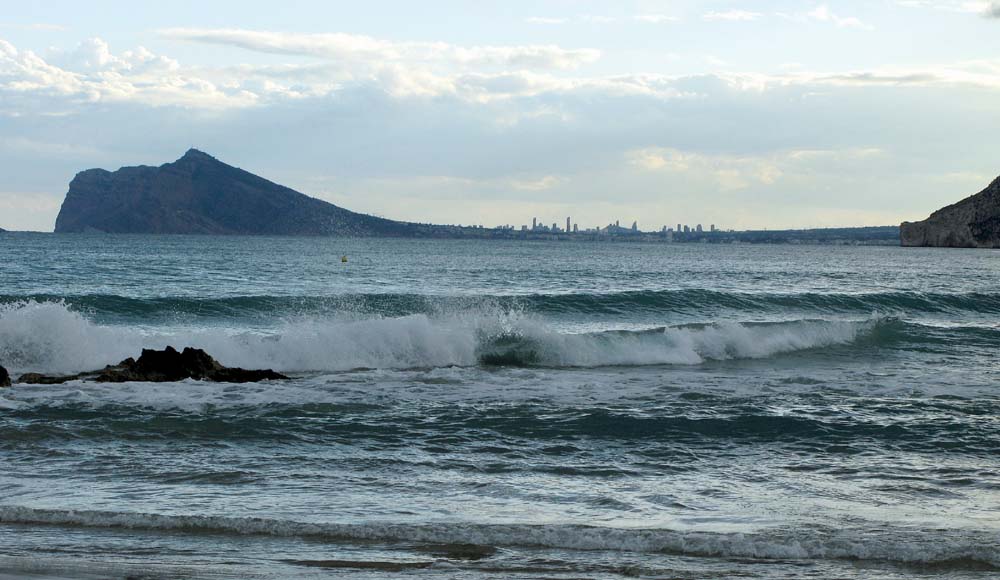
pixel 570 410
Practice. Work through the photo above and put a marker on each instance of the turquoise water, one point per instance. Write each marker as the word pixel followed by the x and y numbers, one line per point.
pixel 573 410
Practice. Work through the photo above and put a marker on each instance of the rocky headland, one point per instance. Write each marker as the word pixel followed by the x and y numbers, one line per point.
pixel 198 194
pixel 158 366
pixel 973 222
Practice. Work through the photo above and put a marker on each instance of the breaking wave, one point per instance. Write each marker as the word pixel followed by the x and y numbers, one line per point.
pixel 52 337
pixel 885 543
pixel 614 303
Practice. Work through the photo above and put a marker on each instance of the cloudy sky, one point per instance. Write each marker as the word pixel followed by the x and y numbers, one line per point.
pixel 746 114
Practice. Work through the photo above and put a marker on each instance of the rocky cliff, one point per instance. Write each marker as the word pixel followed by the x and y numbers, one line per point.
pixel 198 194
pixel 973 222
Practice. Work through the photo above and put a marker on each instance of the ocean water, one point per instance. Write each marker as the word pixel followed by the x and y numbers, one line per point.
pixel 464 409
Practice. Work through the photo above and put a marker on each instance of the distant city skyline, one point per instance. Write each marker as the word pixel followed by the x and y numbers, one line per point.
pixel 450 112
pixel 538 225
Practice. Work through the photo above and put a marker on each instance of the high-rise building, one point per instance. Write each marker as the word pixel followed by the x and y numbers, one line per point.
pixel 698 228
pixel 567 225
pixel 635 226
pixel 576 228
pixel 534 223
pixel 713 228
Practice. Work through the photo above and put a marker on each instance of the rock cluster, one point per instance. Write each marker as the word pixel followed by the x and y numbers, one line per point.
pixel 4 377
pixel 166 365
pixel 973 222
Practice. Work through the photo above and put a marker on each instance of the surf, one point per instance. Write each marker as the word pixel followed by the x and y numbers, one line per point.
pixel 51 336
pixel 905 545
pixel 621 303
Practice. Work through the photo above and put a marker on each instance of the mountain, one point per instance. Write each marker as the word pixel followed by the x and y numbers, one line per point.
pixel 198 194
pixel 973 222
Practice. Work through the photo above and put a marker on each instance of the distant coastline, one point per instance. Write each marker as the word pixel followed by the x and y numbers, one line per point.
pixel 851 236
pixel 860 236
pixel 200 195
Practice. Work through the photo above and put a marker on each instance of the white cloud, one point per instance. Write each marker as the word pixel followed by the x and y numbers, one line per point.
pixel 727 172
pixel 94 54
pixel 24 71
pixel 734 172
pixel 981 74
pixel 356 48
pixel 823 14
pixel 541 184
pixel 985 8
pixel 36 27
pixel 92 73
pixel 732 16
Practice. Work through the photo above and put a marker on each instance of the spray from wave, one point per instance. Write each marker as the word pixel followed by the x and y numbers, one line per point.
pixel 52 337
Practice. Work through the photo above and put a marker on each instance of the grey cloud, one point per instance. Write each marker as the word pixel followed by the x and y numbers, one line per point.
pixel 365 49
pixel 880 79
pixel 511 128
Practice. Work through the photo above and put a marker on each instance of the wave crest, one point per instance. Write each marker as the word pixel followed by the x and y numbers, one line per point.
pixel 895 545
pixel 689 300
pixel 52 337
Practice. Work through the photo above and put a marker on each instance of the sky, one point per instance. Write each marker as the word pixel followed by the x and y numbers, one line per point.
pixel 745 114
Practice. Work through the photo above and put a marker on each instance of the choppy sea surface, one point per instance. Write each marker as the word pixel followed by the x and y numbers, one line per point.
pixel 464 409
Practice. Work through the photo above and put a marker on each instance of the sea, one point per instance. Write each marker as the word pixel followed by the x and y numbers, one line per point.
pixel 502 409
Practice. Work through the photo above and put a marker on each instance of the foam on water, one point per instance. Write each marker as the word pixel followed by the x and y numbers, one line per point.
pixel 51 337
pixel 690 345
pixel 888 544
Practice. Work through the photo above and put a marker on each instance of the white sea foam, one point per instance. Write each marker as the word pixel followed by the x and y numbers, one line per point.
pixel 879 543
pixel 688 346
pixel 50 337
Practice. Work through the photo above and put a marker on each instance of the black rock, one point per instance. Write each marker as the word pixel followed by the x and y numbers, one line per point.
pixel 40 379
pixel 159 366
pixel 4 377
